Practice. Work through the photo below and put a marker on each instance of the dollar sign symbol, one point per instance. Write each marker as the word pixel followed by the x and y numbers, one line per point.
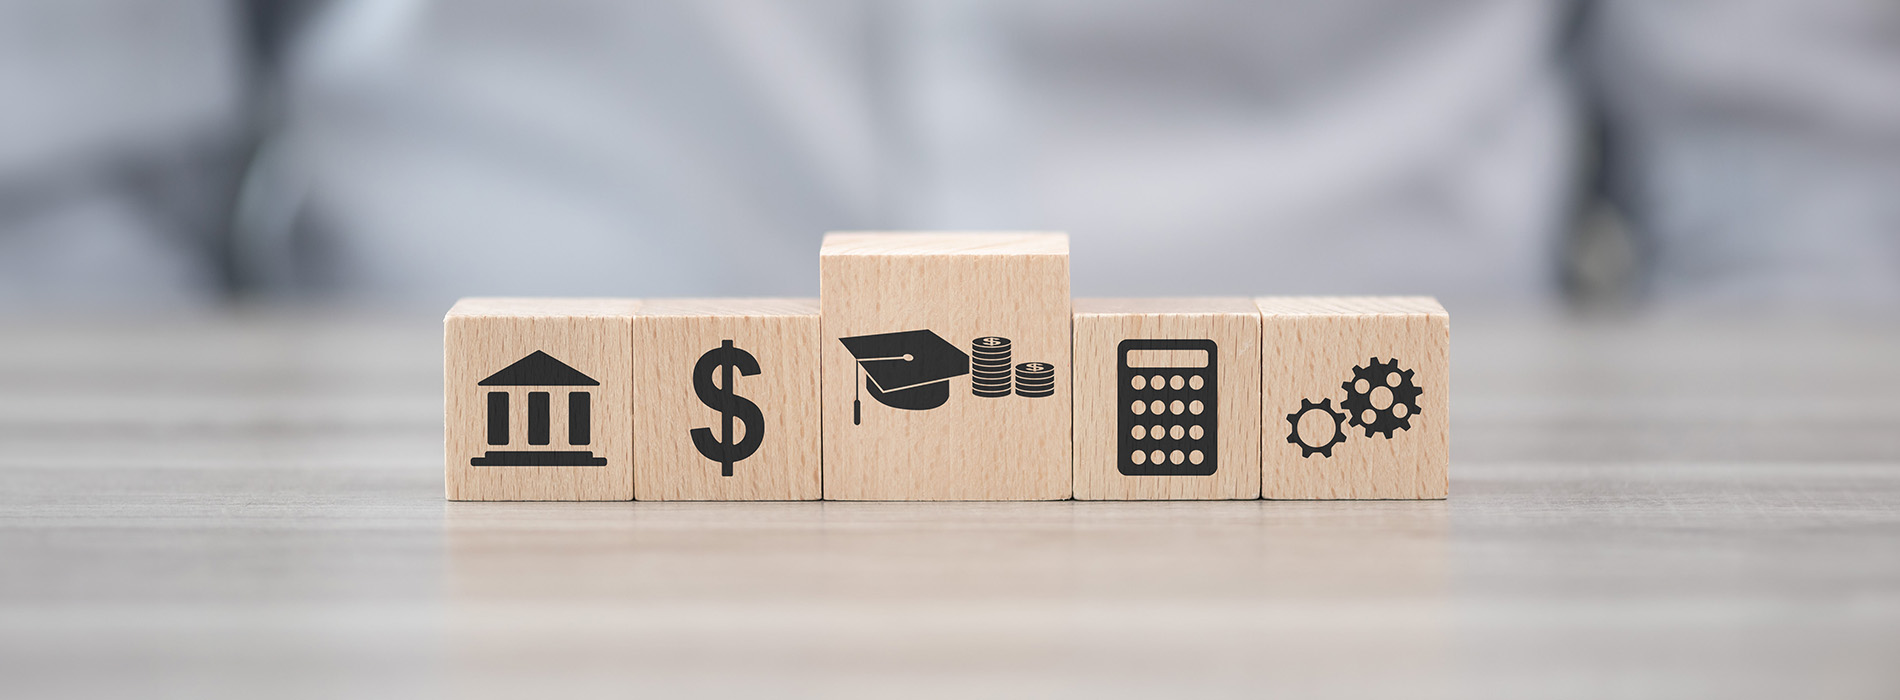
pixel 724 359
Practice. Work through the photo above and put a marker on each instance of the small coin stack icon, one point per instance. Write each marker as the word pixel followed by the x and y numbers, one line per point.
pixel 989 367
pixel 1035 380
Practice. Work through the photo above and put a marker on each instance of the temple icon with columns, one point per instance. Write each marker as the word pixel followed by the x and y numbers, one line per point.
pixel 536 377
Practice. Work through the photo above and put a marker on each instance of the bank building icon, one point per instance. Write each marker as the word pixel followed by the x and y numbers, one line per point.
pixel 535 378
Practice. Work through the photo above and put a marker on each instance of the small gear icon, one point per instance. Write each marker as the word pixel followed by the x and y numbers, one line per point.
pixel 1324 406
pixel 1358 402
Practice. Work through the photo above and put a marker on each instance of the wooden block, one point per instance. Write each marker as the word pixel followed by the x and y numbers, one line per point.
pixel 1356 397
pixel 1167 399
pixel 946 366
pixel 695 441
pixel 537 399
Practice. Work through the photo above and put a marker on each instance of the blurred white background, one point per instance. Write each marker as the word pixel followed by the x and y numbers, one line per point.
pixel 1496 153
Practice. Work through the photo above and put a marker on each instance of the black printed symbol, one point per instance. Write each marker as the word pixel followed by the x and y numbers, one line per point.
pixel 1325 408
pixel 1380 397
pixel 1400 405
pixel 723 360
pixel 539 369
pixel 992 376
pixel 1035 380
pixel 1168 405
pixel 909 370
pixel 990 368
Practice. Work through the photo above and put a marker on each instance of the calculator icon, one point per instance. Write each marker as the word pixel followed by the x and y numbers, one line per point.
pixel 1167 404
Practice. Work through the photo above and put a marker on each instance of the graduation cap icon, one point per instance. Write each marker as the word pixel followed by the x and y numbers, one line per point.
pixel 910 370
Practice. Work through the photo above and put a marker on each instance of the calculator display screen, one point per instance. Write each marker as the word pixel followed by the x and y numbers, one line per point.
pixel 1187 358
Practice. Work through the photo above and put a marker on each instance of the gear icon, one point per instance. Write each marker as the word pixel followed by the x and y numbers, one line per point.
pixel 1324 406
pixel 1358 403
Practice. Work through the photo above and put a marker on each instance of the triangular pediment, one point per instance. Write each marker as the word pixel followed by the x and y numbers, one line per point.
pixel 538 369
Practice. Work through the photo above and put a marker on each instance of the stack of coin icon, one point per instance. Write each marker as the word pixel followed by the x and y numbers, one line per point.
pixel 1035 379
pixel 989 367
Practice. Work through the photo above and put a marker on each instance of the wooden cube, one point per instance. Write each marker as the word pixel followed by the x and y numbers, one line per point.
pixel 537 399
pixel 1167 399
pixel 728 398
pixel 946 366
pixel 1356 397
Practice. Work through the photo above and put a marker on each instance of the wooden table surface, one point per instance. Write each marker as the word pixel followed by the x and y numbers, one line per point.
pixel 251 506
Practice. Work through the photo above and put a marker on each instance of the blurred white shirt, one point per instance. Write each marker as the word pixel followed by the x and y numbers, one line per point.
pixel 433 150
pixel 702 148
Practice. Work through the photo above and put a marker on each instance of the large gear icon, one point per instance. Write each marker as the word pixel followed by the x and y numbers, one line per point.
pixel 1359 403
pixel 1324 406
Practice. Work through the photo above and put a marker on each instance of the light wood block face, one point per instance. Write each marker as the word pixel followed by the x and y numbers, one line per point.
pixel 694 440
pixel 537 399
pixel 1167 399
pixel 1362 385
pixel 946 366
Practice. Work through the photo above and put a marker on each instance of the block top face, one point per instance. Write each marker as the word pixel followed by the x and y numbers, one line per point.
pixel 720 308
pixel 1178 306
pixel 1350 306
pixel 999 243
pixel 531 307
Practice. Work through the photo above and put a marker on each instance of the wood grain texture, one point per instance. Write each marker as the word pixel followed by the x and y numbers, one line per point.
pixel 1101 325
pixel 249 505
pixel 670 336
pixel 484 336
pixel 961 287
pixel 1311 346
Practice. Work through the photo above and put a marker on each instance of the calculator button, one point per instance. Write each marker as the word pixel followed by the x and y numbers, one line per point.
pixel 1139 407
pixel 1177 407
pixel 1196 407
pixel 1159 407
pixel 1138 457
pixel 1139 432
pixel 1177 382
pixel 1196 382
pixel 1196 432
pixel 1177 457
pixel 1176 432
pixel 1138 382
pixel 1196 457
pixel 1159 381
pixel 1156 456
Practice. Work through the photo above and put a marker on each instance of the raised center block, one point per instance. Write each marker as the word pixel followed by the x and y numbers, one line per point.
pixel 1356 397
pixel 946 366
pixel 727 391
pixel 537 399
pixel 1167 399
